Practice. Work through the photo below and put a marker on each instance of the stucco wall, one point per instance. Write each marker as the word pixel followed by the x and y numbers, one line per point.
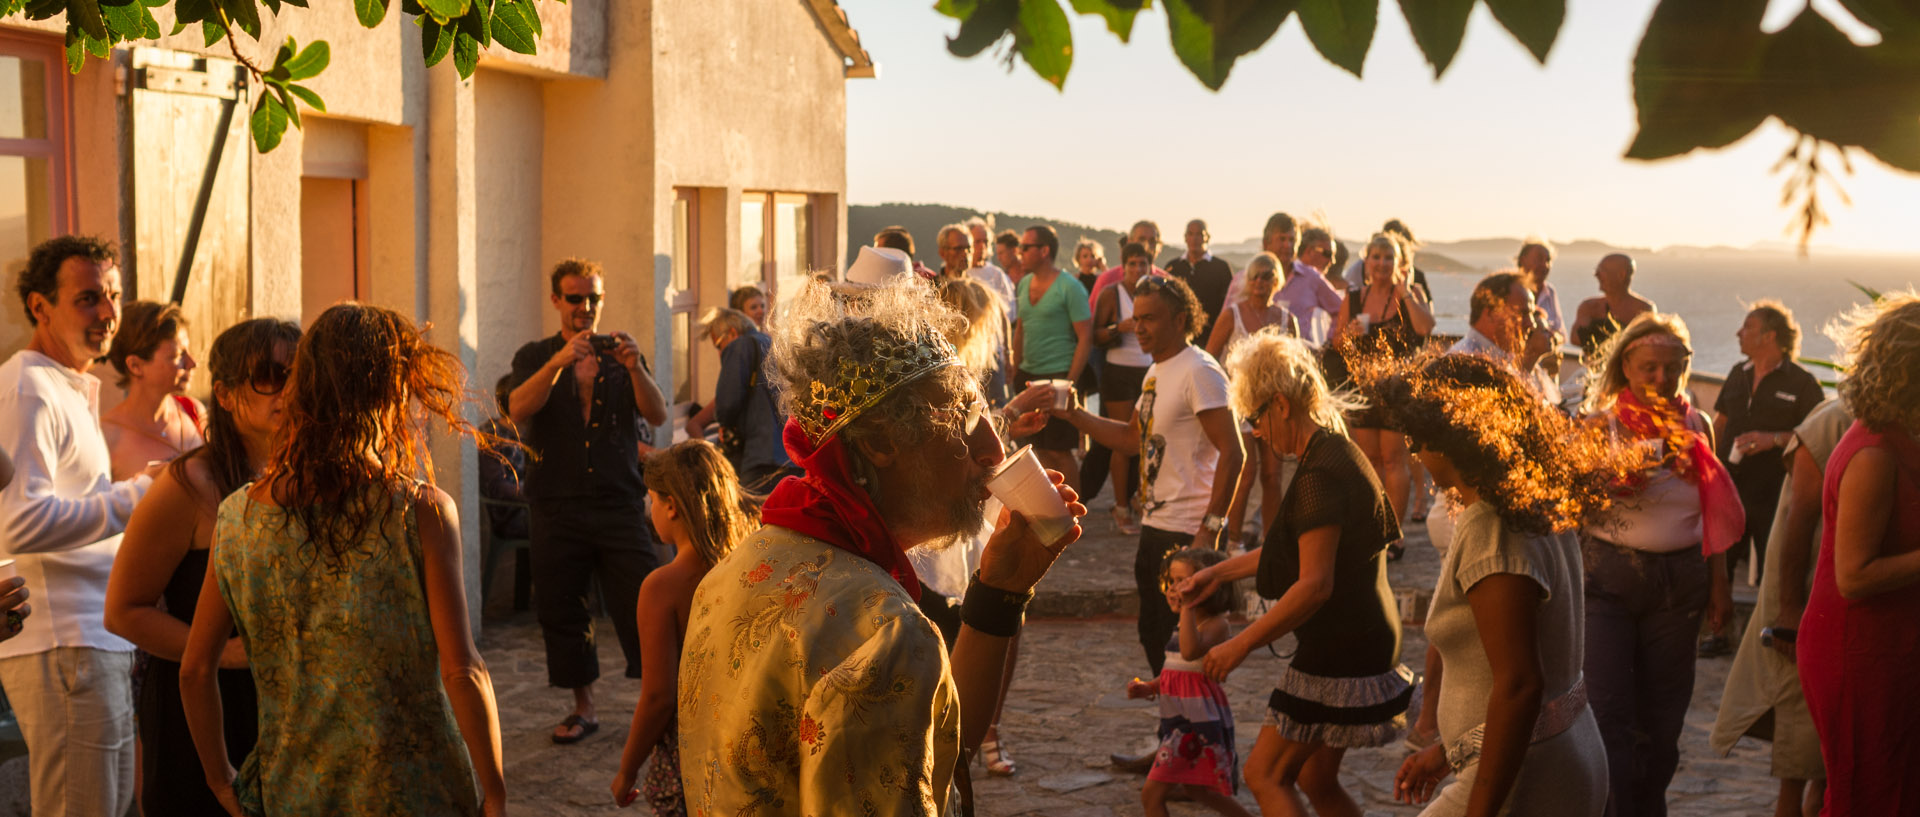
pixel 511 282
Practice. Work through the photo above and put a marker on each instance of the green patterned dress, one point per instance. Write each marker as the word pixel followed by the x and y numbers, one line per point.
pixel 353 717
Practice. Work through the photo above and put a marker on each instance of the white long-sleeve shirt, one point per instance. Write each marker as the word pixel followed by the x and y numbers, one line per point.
pixel 62 516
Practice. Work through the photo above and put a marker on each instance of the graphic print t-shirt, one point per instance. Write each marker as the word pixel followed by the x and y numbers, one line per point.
pixel 1176 458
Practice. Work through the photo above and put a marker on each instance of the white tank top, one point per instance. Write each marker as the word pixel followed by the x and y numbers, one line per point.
pixel 1127 352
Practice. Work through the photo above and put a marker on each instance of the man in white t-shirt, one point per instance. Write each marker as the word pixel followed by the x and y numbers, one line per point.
pixel 1188 441
pixel 60 521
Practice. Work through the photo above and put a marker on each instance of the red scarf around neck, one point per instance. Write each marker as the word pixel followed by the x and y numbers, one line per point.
pixel 827 505
pixel 1723 520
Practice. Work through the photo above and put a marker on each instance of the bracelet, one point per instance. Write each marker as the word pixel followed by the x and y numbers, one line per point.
pixel 993 611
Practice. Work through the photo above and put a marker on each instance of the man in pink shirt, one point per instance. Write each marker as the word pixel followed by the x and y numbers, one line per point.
pixel 1146 234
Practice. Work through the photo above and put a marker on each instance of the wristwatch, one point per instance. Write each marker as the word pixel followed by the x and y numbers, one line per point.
pixel 1213 523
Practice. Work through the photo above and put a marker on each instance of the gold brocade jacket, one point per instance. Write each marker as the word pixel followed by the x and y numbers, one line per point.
pixel 811 685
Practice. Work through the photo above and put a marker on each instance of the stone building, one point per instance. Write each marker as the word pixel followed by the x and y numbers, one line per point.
pixel 690 146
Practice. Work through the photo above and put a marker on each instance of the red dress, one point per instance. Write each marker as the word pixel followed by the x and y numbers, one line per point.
pixel 1859 659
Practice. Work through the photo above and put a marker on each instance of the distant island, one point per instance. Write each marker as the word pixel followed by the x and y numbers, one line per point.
pixel 1476 256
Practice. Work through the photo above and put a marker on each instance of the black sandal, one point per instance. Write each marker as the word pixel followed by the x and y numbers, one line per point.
pixel 574 721
pixel 1395 551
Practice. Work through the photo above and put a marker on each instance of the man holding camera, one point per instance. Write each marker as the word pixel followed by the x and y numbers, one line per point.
pixel 583 402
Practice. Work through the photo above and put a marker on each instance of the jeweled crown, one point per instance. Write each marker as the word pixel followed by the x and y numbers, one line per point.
pixel 861 384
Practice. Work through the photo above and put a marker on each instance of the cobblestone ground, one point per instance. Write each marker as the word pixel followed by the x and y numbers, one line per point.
pixel 1065 713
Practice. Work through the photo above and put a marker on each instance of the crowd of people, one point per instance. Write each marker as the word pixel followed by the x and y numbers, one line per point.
pixel 254 604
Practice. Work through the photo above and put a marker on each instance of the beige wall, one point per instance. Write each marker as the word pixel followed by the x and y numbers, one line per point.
pixel 511 282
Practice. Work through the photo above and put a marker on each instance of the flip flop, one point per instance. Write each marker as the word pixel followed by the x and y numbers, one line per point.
pixel 574 721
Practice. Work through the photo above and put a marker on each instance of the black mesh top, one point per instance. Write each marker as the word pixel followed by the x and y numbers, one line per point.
pixel 1357 632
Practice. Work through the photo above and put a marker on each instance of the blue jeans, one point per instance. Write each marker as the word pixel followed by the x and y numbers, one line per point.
pixel 1643 624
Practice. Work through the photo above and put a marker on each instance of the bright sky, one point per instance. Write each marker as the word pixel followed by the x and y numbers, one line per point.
pixel 1501 147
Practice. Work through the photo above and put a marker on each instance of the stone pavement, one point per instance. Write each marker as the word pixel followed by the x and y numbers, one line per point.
pixel 1065 713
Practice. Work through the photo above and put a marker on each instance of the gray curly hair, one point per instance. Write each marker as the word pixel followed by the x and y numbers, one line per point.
pixel 826 323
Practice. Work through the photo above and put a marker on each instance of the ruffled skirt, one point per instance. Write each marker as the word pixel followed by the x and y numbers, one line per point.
pixel 1196 733
pixel 1349 713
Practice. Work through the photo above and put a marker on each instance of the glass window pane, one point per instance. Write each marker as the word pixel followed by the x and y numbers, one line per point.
pixel 682 359
pixel 26 211
pixel 23 98
pixel 792 224
pixel 753 237
pixel 682 242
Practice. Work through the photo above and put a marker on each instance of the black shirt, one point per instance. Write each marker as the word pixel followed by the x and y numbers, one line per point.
pixel 597 458
pixel 1209 280
pixel 1357 632
pixel 1783 398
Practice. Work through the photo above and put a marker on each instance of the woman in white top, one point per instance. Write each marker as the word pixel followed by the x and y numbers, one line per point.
pixel 1254 312
pixel 157 421
pixel 1126 369
pixel 1654 562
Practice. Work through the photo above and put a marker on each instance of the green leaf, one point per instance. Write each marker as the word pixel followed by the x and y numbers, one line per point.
pixel 1342 30
pixel 310 62
pixel 45 9
pixel 307 95
pixel 957 9
pixel 76 53
pixel 436 40
pixel 1209 38
pixel 1118 13
pixel 466 54
pixel 1535 23
pixel 243 13
pixel 149 25
pixel 446 9
pixel 984 26
pixel 286 101
pixel 370 12
pixel 1821 84
pixel 212 32
pixel 516 26
pixel 268 124
pixel 1045 40
pixel 1438 26
pixel 1694 76
pixel 86 15
pixel 123 19
pixel 1871 293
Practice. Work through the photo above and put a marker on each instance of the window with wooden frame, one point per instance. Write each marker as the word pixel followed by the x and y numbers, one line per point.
pixel 778 242
pixel 34 151
pixel 683 293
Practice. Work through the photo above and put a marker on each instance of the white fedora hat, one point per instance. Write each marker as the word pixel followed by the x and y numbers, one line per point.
pixel 878 264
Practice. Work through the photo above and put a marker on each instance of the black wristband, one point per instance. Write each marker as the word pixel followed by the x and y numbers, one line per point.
pixel 994 611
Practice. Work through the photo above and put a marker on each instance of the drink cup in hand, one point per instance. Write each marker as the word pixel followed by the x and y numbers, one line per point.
pixel 1023 486
pixel 1062 394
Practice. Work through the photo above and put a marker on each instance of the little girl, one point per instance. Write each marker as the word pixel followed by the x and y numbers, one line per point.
pixel 1196 725
pixel 696 505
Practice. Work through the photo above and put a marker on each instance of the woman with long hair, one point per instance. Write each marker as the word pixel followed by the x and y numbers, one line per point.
pixel 749 300
pixel 1121 379
pixel 162 564
pixel 698 508
pixel 1323 566
pixel 1655 561
pixel 1255 312
pixel 340 567
pixel 1857 652
pixel 1507 612
pixel 1387 316
pixel 154 358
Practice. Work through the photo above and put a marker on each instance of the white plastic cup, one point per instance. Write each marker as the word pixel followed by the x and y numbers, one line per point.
pixel 1366 322
pixel 1062 394
pixel 6 569
pixel 1023 486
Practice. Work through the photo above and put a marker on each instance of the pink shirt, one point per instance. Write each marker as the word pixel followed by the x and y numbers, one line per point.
pixel 1109 278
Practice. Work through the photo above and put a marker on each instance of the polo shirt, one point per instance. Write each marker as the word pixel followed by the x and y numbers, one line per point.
pixel 1783 398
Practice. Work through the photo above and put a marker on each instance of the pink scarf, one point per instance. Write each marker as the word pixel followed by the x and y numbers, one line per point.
pixel 826 505
pixel 1723 520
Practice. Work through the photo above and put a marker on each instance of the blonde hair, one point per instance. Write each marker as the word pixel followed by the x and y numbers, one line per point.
pixel 1267 364
pixel 1605 380
pixel 1882 343
pixel 702 484
pixel 1266 259
pixel 978 340
pixel 1402 259
pixel 1099 253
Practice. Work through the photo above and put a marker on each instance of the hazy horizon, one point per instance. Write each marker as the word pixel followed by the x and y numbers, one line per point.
pixel 1501 147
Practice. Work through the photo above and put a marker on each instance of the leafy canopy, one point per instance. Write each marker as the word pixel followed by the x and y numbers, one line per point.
pixel 457 27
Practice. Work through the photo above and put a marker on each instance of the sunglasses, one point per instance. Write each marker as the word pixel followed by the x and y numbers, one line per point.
pixel 592 298
pixel 1025 247
pixel 269 377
